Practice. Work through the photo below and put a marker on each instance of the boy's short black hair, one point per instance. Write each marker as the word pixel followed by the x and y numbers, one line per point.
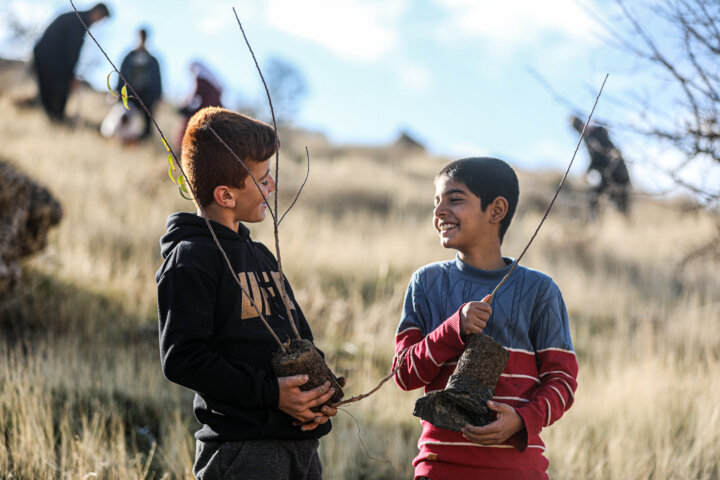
pixel 207 163
pixel 487 178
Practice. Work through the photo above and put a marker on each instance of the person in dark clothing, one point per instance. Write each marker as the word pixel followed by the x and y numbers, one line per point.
pixel 212 339
pixel 142 71
pixel 206 93
pixel 607 162
pixel 56 54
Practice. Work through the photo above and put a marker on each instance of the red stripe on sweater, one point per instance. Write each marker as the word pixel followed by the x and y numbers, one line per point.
pixel 539 386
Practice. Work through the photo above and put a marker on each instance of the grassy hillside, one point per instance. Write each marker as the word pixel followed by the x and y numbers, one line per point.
pixel 83 396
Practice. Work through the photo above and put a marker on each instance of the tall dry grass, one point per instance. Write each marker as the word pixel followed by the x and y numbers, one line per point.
pixel 83 396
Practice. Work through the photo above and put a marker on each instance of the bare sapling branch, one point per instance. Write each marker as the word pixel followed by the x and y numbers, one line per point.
pixel 490 297
pixel 357 398
pixel 307 174
pixel 283 291
pixel 557 96
pixel 189 184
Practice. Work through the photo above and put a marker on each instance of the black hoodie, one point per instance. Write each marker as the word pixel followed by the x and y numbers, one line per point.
pixel 212 340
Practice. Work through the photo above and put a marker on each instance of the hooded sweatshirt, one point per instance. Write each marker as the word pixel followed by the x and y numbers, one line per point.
pixel 212 339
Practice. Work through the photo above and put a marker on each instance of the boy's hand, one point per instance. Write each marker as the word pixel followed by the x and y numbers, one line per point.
pixel 297 403
pixel 474 317
pixel 319 419
pixel 507 424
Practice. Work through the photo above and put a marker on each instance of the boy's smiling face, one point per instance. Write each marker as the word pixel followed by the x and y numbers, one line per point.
pixel 250 206
pixel 458 216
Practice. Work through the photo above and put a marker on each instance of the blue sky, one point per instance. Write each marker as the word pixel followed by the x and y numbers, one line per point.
pixel 455 73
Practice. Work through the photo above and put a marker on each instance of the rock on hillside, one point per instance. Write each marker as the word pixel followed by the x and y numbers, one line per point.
pixel 27 211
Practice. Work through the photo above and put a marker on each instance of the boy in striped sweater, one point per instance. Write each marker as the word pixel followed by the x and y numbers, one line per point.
pixel 475 199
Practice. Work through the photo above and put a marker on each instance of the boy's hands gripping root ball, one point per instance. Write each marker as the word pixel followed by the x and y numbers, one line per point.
pixel 298 403
pixel 507 424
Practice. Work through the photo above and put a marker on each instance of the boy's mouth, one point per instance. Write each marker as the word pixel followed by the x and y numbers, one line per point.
pixel 446 227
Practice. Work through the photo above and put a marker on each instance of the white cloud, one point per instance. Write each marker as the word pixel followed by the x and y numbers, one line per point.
pixel 415 78
pixel 352 29
pixel 32 11
pixel 517 23
pixel 220 19
pixel 34 16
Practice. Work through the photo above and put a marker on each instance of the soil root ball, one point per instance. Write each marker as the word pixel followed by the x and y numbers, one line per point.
pixel 464 399
pixel 302 358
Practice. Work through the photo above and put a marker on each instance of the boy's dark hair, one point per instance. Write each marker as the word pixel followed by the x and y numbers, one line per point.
pixel 487 178
pixel 208 163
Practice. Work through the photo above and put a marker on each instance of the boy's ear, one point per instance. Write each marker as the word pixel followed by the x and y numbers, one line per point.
pixel 223 196
pixel 498 209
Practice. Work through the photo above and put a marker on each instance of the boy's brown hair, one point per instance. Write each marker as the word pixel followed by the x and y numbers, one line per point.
pixel 208 163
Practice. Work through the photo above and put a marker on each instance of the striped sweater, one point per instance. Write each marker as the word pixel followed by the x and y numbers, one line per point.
pixel 530 320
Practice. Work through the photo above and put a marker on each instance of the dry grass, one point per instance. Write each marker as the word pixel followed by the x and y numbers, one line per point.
pixel 83 397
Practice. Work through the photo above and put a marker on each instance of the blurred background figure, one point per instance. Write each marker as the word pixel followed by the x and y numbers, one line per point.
pixel 206 93
pixel 56 54
pixel 126 125
pixel 607 172
pixel 142 71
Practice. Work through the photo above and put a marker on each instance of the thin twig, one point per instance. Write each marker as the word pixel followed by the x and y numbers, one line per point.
pixel 362 443
pixel 307 174
pixel 283 292
pixel 557 192
pixel 401 360
pixel 553 93
pixel 189 184
pixel 558 97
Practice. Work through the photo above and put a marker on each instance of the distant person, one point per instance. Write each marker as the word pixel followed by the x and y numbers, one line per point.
pixel 255 425
pixel 56 54
pixel 125 125
pixel 607 171
pixel 206 93
pixel 475 199
pixel 142 71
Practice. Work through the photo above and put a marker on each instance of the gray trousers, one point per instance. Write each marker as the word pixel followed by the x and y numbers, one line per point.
pixel 258 460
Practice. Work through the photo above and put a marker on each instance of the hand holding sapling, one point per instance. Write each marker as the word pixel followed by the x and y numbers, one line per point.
pixel 474 317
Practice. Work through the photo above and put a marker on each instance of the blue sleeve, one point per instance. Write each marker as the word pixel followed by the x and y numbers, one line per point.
pixel 416 309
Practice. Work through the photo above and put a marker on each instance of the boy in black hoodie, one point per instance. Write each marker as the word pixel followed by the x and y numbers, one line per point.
pixel 212 341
